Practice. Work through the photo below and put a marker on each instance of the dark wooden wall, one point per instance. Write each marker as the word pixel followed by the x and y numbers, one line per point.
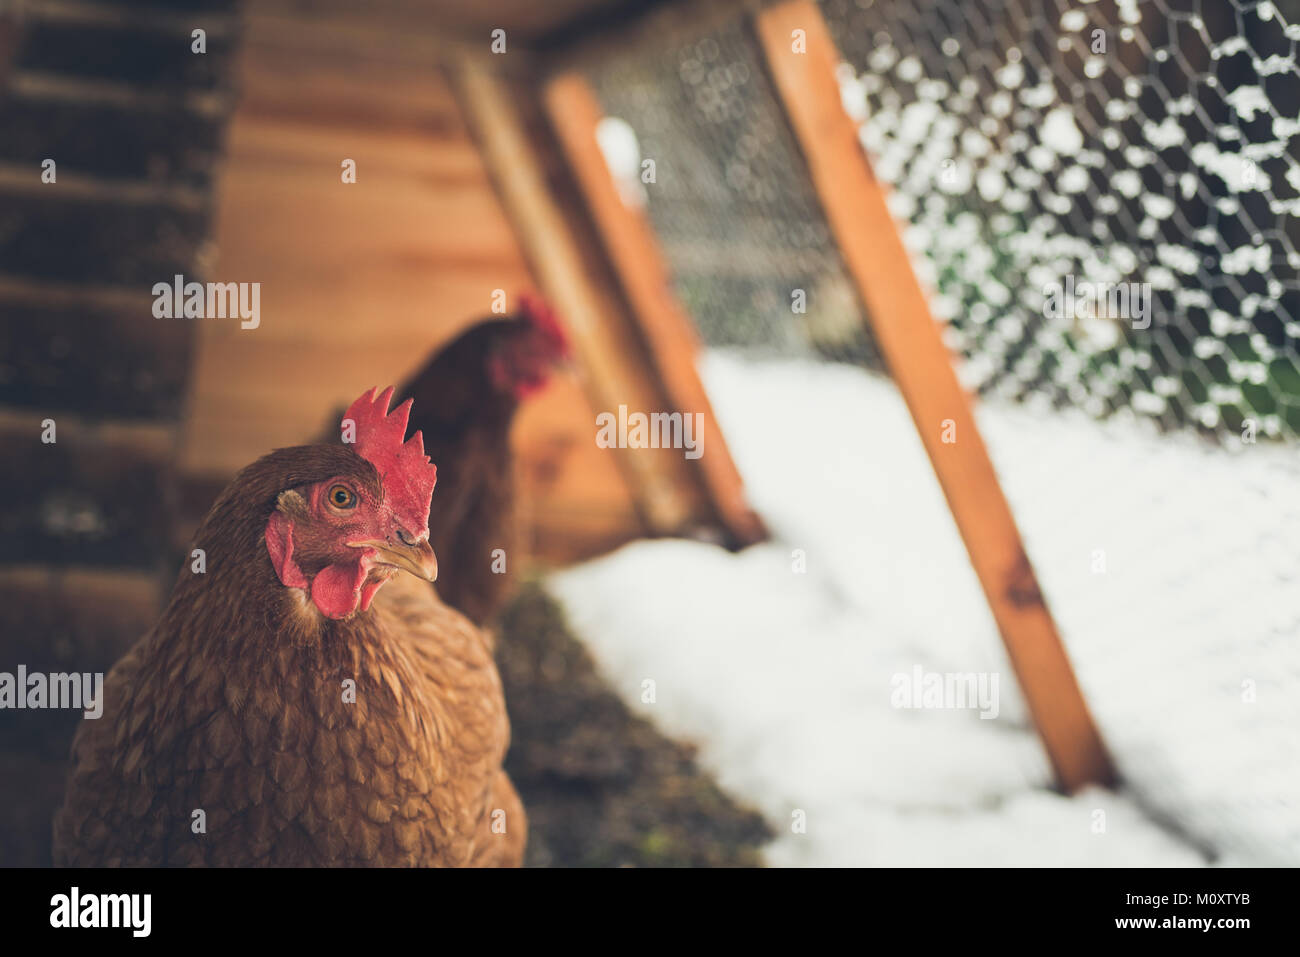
pixel 135 124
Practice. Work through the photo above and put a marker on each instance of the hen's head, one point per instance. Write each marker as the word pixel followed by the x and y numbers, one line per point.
pixel 341 537
pixel 521 362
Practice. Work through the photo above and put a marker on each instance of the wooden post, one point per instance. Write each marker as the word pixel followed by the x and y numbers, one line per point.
pixel 854 202
pixel 634 253
pixel 571 264
pixel 560 265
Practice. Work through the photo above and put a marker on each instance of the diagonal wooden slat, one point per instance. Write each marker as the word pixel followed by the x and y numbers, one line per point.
pixel 643 275
pixel 909 338
pixel 613 370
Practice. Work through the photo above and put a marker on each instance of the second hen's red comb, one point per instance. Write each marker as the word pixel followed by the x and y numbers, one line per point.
pixel 539 312
pixel 407 474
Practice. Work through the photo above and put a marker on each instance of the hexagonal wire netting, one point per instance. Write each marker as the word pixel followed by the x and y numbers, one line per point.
pixel 1111 143
pixel 737 217
pixel 1130 148
pixel 1137 154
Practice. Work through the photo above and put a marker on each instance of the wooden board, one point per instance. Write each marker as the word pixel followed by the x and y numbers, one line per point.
pixel 96 496
pixel 149 141
pixel 359 281
pixel 56 619
pixel 672 345
pixel 97 44
pixel 855 205
pixel 58 232
pixel 94 352
pixel 571 271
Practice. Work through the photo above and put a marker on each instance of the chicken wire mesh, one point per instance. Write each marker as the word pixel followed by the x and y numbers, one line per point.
pixel 1147 146
pixel 1123 150
pixel 750 252
pixel 1033 146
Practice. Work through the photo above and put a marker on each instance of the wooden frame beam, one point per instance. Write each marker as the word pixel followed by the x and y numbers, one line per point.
pixel 671 493
pixel 634 253
pixel 899 315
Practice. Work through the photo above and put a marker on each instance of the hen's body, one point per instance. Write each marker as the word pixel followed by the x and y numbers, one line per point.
pixel 479 524
pixel 465 400
pixel 235 705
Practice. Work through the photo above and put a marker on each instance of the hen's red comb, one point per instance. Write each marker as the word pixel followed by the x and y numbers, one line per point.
pixel 405 471
pixel 539 312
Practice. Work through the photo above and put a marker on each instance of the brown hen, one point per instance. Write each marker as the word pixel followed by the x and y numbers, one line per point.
pixel 466 397
pixel 300 702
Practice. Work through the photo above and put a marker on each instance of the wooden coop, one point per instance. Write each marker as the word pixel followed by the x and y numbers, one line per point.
pixel 472 130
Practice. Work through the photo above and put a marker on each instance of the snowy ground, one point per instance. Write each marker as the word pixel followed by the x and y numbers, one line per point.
pixel 784 678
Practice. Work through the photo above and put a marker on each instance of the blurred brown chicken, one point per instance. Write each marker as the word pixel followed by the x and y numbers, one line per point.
pixel 465 401
pixel 301 702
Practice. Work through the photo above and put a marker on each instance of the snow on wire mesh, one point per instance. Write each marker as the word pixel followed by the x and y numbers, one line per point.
pixel 1123 150
pixel 739 222
pixel 1101 197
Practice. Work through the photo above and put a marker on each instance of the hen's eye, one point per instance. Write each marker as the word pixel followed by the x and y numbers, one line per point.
pixel 342 497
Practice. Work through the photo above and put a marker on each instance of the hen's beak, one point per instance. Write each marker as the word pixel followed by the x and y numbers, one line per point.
pixel 418 559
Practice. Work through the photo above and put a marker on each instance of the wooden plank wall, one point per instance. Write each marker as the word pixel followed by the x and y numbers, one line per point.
pixel 360 281
pixel 133 120
pixel 670 344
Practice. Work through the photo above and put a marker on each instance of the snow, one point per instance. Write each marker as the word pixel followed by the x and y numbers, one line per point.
pixel 1247 101
pixel 1060 132
pixel 784 677
pixel 1238 173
